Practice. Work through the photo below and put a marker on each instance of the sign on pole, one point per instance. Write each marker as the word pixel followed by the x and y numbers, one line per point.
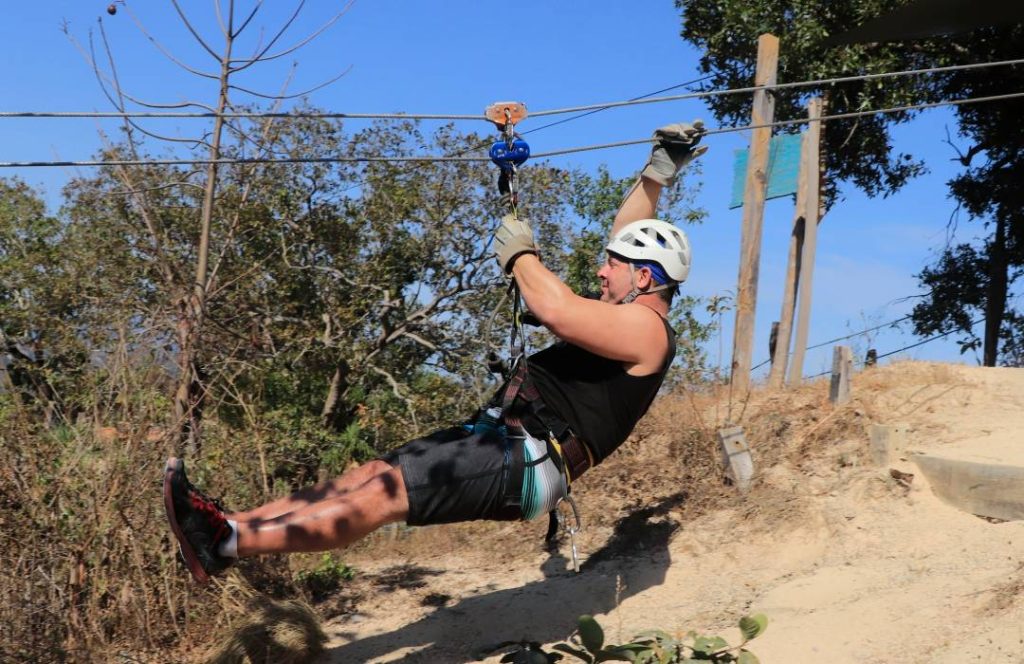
pixel 783 169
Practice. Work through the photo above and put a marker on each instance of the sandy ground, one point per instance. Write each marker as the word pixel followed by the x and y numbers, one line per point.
pixel 848 563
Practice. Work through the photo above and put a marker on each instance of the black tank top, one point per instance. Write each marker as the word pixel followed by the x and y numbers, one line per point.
pixel 594 395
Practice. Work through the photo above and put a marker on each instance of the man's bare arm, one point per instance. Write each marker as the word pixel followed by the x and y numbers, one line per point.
pixel 631 334
pixel 640 203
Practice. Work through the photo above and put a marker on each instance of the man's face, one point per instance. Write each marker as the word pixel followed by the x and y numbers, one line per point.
pixel 616 281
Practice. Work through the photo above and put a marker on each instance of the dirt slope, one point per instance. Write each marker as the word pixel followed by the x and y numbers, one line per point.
pixel 849 564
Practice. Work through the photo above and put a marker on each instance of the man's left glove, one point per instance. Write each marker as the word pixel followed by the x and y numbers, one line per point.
pixel 676 147
pixel 513 238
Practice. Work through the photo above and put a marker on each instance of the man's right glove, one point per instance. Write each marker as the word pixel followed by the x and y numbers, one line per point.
pixel 676 147
pixel 513 238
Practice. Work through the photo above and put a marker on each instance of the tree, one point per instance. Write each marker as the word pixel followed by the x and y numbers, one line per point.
pixel 225 137
pixel 41 355
pixel 859 150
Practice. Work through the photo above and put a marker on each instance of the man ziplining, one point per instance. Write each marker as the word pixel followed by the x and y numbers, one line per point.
pixel 563 411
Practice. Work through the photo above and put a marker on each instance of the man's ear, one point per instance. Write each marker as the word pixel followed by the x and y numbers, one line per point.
pixel 644 278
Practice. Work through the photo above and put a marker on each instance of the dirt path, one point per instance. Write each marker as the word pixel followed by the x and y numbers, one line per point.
pixel 849 564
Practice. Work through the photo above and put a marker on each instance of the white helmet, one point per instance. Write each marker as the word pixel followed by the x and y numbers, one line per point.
pixel 654 240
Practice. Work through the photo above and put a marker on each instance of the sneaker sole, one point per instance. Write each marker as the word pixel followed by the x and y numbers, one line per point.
pixel 187 552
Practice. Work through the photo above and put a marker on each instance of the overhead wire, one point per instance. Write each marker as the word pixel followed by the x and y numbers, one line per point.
pixel 646 99
pixel 465 151
pixel 848 336
pixel 541 155
pixel 908 347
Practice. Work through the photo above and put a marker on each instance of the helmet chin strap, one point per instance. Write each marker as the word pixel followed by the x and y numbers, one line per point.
pixel 636 292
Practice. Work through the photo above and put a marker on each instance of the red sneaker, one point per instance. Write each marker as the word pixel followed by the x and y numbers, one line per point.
pixel 198 523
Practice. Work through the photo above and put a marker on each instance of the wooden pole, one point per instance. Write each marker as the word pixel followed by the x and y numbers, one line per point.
pixel 811 214
pixel 753 213
pixel 780 354
pixel 842 371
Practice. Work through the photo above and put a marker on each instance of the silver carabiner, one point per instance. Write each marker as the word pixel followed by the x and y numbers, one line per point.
pixel 570 528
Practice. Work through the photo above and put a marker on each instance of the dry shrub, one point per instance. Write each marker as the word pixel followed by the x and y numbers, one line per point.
pixel 88 568
pixel 263 629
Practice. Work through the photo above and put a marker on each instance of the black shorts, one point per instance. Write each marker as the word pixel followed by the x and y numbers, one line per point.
pixel 456 475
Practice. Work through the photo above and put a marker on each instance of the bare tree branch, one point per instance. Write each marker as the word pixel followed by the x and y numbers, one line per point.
pixel 166 53
pixel 972 152
pixel 396 389
pixel 251 16
pixel 296 95
pixel 169 185
pixel 196 35
pixel 142 201
pixel 220 18
pixel 262 55
pixel 259 54
pixel 268 124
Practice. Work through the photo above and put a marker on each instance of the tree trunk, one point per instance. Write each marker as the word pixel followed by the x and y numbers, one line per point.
pixel 995 295
pixel 188 394
pixel 330 415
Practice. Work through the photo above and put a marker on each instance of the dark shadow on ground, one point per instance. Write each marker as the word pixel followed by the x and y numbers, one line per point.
pixel 635 558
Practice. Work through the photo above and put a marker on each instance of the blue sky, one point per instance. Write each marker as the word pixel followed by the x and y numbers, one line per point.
pixel 459 56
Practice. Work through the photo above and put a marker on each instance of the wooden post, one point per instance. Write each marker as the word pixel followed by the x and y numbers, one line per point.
pixel 842 369
pixel 811 214
pixel 780 354
pixel 739 465
pixel 753 213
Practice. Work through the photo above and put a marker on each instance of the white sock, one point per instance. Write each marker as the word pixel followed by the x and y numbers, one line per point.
pixel 229 547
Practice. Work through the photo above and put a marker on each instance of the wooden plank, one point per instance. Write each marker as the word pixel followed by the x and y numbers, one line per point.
pixel 842 370
pixel 811 215
pixel 753 214
pixel 780 355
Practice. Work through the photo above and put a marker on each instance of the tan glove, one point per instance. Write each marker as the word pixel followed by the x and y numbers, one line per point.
pixel 676 147
pixel 513 238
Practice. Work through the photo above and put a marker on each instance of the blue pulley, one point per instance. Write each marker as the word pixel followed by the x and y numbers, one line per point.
pixel 506 156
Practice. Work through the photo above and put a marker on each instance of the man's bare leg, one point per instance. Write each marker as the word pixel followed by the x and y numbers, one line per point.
pixel 329 523
pixel 351 480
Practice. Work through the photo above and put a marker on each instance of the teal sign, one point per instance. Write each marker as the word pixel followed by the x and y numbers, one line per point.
pixel 783 169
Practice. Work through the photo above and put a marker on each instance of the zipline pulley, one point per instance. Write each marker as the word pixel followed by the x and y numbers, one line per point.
pixel 511 151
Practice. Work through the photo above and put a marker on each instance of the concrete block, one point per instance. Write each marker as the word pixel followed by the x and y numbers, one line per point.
pixel 739 465
pixel 888 442
pixel 987 489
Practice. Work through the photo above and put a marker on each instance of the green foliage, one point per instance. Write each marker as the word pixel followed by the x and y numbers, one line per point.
pixel 856 150
pixel 657 646
pixel 326 577
pixel 859 150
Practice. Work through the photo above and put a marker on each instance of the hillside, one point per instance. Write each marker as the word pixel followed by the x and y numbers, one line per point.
pixel 849 563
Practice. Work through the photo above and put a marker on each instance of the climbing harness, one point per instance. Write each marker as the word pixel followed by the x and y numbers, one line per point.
pixel 508 153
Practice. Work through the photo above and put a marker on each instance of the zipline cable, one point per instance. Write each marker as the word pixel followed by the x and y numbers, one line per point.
pixel 480 146
pixel 558 111
pixel 541 155
pixel 848 336
pixel 913 345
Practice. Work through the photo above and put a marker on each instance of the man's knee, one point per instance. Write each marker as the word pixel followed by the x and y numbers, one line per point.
pixel 375 468
pixel 386 490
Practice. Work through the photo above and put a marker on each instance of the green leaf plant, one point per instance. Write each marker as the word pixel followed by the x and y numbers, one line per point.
pixel 658 646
